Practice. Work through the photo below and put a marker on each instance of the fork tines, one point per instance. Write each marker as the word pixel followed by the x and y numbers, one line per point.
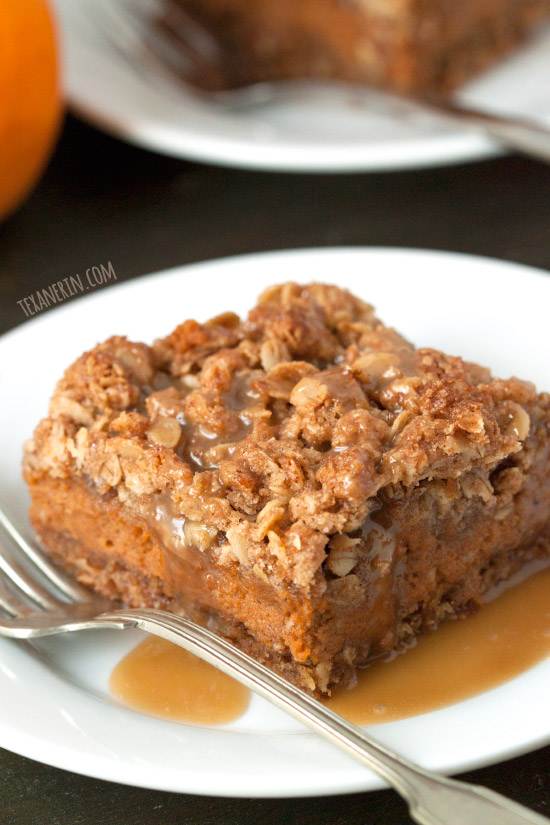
pixel 30 579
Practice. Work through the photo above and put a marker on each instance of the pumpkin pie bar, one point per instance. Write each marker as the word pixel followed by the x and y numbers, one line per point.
pixel 405 45
pixel 303 481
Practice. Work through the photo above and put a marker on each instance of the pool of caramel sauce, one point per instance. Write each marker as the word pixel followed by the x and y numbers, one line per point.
pixel 461 659
pixel 162 679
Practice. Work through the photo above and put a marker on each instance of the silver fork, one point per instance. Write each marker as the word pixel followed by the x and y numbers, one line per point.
pixel 60 605
pixel 181 51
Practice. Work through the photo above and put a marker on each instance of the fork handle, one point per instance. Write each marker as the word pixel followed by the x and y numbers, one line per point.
pixel 432 800
pixel 514 132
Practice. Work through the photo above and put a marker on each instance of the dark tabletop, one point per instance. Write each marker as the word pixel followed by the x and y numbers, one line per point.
pixel 101 200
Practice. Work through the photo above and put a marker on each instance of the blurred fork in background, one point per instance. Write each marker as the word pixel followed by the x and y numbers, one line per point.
pixel 159 38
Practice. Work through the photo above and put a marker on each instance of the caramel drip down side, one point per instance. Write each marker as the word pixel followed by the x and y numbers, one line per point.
pixel 463 658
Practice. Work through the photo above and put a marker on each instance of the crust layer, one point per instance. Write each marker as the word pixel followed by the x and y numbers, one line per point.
pixel 81 546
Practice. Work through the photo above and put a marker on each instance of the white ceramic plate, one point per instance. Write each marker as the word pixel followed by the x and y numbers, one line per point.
pixel 54 703
pixel 342 135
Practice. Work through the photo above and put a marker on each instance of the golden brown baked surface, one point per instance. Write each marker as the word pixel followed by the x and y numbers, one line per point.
pixel 305 479
pixel 407 45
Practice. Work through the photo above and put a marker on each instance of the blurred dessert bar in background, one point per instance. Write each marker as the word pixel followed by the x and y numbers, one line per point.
pixel 404 45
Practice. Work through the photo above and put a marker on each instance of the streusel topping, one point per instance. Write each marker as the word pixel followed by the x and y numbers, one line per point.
pixel 278 433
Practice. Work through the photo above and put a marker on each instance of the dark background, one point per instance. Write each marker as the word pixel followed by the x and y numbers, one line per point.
pixel 101 200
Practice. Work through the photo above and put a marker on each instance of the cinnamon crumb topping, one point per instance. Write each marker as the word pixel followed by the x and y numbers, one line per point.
pixel 278 434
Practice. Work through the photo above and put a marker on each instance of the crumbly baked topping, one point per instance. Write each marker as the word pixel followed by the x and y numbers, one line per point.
pixel 276 436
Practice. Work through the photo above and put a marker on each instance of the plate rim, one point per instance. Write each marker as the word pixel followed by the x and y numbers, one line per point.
pixel 491 261
pixel 433 152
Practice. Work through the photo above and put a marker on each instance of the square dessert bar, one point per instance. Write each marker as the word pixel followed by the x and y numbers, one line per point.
pixel 304 481
pixel 406 45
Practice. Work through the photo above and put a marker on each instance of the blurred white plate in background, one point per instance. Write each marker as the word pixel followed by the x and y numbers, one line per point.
pixel 339 136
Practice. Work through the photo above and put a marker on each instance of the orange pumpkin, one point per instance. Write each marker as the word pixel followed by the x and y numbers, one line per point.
pixel 30 96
